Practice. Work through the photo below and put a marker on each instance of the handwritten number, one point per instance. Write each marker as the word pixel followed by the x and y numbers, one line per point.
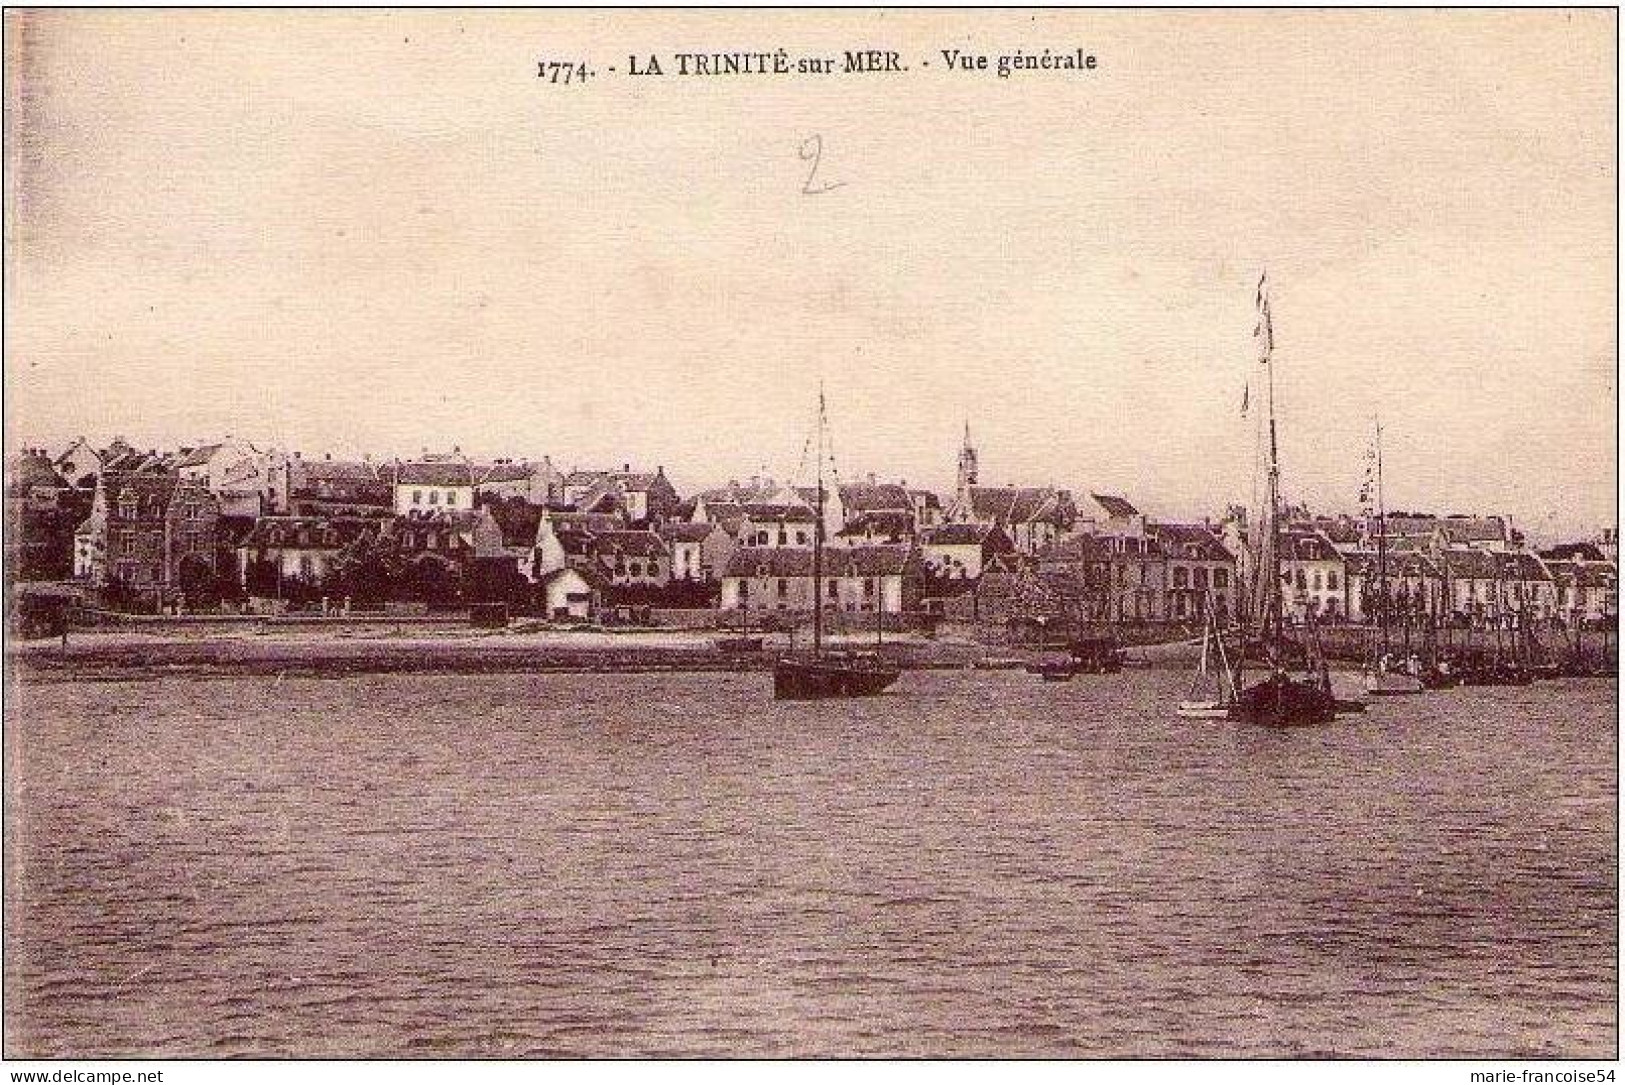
pixel 812 150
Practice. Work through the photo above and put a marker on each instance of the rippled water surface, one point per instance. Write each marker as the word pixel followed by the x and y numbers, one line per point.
pixel 979 864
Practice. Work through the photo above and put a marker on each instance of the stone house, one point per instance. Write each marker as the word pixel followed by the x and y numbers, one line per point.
pixel 856 580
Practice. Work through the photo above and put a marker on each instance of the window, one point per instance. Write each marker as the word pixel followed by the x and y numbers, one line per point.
pixel 451 497
pixel 1331 581
pixel 634 568
pixel 434 497
pixel 1181 577
pixel 1200 575
pixel 1221 578
pixel 784 587
pixel 1317 580
pixel 417 497
pixel 869 586
pixel 801 538
pixel 784 537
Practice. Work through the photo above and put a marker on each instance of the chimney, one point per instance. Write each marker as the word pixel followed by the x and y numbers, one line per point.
pixel 626 468
pixel 871 478
pixel 328 456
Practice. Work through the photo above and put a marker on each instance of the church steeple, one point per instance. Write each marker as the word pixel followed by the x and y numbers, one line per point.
pixel 967 465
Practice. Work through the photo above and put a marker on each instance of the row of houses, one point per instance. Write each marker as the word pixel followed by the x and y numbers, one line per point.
pixel 228 519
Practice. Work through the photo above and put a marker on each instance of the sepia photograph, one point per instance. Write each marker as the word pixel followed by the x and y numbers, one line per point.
pixel 883 534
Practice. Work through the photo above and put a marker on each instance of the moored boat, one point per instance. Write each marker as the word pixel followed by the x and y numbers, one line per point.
pixel 1212 673
pixel 1385 674
pixel 1295 687
pixel 824 675
pixel 834 674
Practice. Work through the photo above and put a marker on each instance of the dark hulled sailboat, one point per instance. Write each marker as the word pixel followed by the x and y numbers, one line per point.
pixel 1294 685
pixel 824 675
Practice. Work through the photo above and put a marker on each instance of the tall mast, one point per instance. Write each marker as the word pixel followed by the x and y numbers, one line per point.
pixel 1273 617
pixel 1382 548
pixel 818 537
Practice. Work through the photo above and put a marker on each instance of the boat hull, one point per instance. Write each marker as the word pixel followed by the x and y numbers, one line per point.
pixel 1204 710
pixel 1391 683
pixel 816 680
pixel 1282 701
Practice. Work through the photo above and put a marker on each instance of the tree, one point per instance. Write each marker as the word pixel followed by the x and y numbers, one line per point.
pixel 369 570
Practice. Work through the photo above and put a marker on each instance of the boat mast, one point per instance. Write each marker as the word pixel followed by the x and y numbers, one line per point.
pixel 818 537
pixel 1273 616
pixel 1382 549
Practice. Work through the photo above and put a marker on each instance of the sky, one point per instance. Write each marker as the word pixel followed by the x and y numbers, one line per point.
pixel 379 232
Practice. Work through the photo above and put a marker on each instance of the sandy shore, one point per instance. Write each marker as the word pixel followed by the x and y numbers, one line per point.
pixel 126 653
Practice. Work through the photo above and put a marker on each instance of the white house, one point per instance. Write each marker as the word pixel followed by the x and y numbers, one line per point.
pixel 428 486
pixel 245 480
pixel 961 551
pixel 570 593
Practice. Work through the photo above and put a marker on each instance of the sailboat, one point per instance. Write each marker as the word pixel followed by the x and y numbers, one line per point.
pixel 1294 686
pixel 825 675
pixel 1385 675
pixel 1213 674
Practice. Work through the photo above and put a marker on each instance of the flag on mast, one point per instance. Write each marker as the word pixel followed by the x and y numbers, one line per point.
pixel 1264 330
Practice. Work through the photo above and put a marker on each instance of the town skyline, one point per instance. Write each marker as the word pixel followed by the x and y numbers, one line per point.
pixel 316 253
pixel 1547 530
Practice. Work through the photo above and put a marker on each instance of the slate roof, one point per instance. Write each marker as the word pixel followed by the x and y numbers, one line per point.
pixel 632 544
pixel 434 474
pixel 518 520
pixel 868 497
pixel 313 471
pixel 1115 505
pixel 682 531
pixel 1405 564
pixel 1021 504
pixel 958 534
pixel 1582 551
pixel 1460 529
pixel 630 480
pixel 1307 546
pixel 1192 542
pixel 737 493
pixel 501 472
pixel 199 456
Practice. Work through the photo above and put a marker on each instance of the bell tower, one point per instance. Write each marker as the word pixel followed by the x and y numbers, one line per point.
pixel 967 466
